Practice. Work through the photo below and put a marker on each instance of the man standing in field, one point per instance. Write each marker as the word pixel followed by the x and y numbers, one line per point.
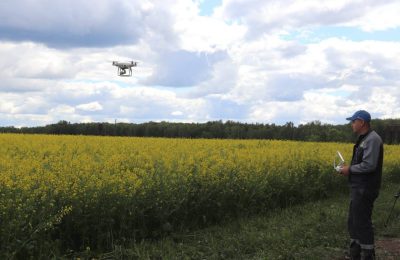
pixel 364 176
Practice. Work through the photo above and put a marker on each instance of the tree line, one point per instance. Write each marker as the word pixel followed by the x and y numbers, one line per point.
pixel 388 129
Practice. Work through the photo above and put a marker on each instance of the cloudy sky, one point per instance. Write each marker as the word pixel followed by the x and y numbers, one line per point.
pixel 265 61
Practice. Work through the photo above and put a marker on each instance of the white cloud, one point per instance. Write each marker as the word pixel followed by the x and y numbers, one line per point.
pixel 236 64
pixel 22 103
pixel 177 113
pixel 265 17
pixel 62 109
pixel 385 102
pixel 92 106
pixel 379 18
pixel 206 34
pixel 66 24
pixel 30 60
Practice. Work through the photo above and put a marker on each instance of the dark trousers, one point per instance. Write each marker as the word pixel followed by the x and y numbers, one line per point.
pixel 360 212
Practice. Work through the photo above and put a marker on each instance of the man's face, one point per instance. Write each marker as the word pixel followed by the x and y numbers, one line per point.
pixel 357 125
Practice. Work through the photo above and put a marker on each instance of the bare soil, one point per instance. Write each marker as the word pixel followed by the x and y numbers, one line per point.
pixel 385 249
pixel 388 248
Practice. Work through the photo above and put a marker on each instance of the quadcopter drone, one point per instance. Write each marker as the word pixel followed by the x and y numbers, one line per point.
pixel 123 66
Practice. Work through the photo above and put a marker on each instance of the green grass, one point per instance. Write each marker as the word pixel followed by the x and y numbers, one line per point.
pixel 311 231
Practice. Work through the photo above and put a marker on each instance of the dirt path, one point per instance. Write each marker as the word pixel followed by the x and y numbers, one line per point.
pixel 388 248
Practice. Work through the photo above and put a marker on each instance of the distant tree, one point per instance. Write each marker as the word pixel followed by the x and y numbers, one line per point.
pixel 388 129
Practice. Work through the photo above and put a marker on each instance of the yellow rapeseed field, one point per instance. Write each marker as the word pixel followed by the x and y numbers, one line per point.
pixel 86 191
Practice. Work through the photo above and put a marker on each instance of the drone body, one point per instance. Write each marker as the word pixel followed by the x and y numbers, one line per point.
pixel 123 66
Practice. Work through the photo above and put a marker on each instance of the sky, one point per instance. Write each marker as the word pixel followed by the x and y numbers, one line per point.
pixel 254 61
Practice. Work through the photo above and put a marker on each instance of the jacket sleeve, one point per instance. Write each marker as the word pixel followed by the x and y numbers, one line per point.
pixel 370 157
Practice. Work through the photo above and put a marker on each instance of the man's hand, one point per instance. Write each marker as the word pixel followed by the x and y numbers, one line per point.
pixel 345 170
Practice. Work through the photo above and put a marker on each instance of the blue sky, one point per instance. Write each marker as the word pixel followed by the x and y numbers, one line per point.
pixel 249 61
pixel 207 6
pixel 350 33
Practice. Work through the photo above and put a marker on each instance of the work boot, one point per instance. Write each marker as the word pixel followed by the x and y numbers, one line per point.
pixel 355 251
pixel 367 254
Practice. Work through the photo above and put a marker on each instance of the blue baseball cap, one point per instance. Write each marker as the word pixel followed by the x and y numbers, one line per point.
pixel 360 114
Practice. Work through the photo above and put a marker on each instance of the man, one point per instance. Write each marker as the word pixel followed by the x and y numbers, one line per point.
pixel 364 176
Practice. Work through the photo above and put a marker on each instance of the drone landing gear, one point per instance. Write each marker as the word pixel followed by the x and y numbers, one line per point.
pixel 122 72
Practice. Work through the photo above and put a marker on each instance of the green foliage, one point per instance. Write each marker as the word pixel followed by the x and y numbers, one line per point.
pixel 388 129
pixel 315 230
